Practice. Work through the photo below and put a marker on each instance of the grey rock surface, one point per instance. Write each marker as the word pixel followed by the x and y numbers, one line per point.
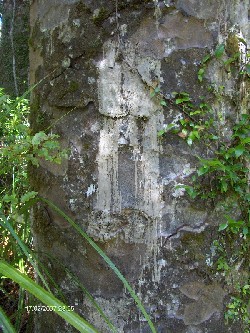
pixel 99 61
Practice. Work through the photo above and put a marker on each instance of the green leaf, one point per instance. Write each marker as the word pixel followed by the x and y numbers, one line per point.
pixel 247 197
pixel 194 135
pixel 161 133
pixel 206 58
pixel 223 226
pixel 245 231
pixel 202 170
pixel 195 112
pixel 166 129
pixel 51 144
pixel 7 225
pixel 224 186
pixel 38 138
pixel 183 121
pixel 169 126
pixel 191 192
pixel 183 93
pixel 10 198
pixel 239 150
pixel 219 50
pixel 47 298
pixel 163 103
pixel 181 100
pixel 200 74
pixel 245 140
pixel 29 195
pixel 215 163
pixel 231 60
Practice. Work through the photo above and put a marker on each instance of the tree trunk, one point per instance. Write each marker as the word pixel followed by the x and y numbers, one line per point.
pixel 14 55
pixel 100 61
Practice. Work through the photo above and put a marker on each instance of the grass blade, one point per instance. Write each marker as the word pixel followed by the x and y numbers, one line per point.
pixel 5 323
pixel 86 292
pixel 107 260
pixel 30 256
pixel 92 300
pixel 6 225
pixel 47 298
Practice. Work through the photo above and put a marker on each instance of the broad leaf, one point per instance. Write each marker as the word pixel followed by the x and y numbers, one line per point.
pixel 38 138
pixel 29 195
pixel 239 150
pixel 223 226
pixel 219 51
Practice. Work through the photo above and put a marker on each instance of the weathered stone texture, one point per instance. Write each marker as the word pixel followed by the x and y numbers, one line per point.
pixel 99 60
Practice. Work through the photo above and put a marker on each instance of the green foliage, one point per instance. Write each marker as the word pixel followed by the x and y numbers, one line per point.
pixel 18 148
pixel 192 125
pixel 234 267
pixel 239 307
pixel 47 298
pixel 220 49
pixel 228 172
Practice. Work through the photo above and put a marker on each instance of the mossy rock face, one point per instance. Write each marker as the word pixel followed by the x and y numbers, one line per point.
pixel 194 244
pixel 191 250
pixel 100 15
pixel 100 61
pixel 232 45
pixel 73 86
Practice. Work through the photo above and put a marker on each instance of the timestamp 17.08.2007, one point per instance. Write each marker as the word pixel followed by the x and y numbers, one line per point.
pixel 38 308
